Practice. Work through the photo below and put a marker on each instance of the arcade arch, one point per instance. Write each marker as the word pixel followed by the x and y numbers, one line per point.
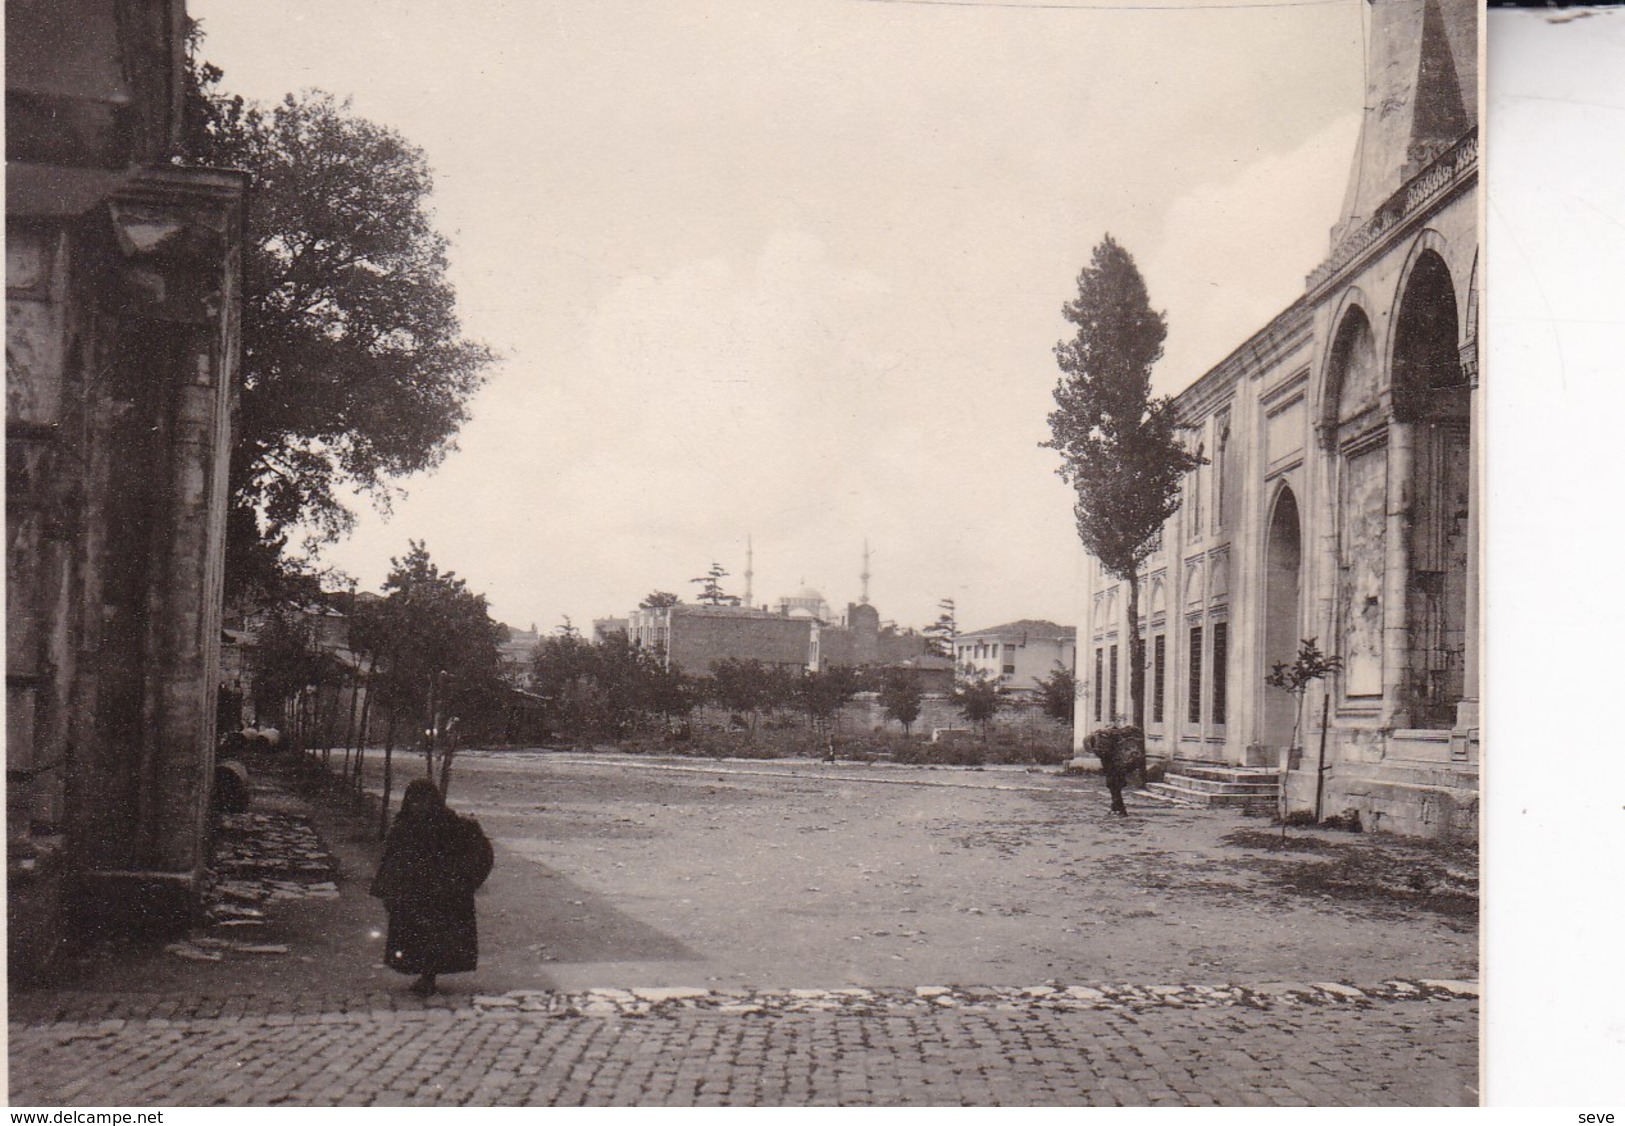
pixel 1432 398
pixel 1283 582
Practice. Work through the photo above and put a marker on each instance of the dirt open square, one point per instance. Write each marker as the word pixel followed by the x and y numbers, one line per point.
pixel 679 932
pixel 619 871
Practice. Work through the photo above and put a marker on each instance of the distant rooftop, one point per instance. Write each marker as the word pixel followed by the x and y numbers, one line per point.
pixel 696 610
pixel 1036 629
pixel 926 661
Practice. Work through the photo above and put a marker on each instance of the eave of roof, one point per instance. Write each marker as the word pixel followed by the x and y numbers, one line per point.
pixel 1030 627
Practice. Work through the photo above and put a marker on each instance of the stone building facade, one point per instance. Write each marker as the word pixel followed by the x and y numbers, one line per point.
pixel 694 638
pixel 122 281
pixel 860 638
pixel 1341 496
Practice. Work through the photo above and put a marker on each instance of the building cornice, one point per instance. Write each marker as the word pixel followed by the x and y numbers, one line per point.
pixel 1451 172
pixel 1265 348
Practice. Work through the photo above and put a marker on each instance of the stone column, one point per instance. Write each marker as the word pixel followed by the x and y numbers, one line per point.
pixel 1467 709
pixel 1396 656
pixel 1324 477
pixel 169 304
pixel 1247 581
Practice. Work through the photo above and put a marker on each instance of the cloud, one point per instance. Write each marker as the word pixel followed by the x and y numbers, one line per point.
pixel 721 398
pixel 1234 253
pixel 726 381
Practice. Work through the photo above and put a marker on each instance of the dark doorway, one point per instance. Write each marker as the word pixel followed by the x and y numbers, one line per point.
pixel 1283 556
pixel 1431 395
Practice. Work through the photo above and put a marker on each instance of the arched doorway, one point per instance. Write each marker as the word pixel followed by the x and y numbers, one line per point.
pixel 1356 426
pixel 1351 371
pixel 1283 556
pixel 1432 397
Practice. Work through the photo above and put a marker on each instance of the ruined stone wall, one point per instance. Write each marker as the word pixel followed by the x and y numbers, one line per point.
pixel 122 283
pixel 121 342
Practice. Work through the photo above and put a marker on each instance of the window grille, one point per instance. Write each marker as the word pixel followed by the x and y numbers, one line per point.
pixel 1159 675
pixel 1193 713
pixel 1100 679
pixel 1113 694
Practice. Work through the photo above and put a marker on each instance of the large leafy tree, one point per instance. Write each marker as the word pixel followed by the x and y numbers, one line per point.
pixel 565 674
pixel 979 698
pixel 287 659
pixel 440 648
pixel 668 691
pixel 356 372
pixel 744 687
pixel 901 696
pixel 1120 446
pixel 822 693
pixel 606 689
pixel 1058 694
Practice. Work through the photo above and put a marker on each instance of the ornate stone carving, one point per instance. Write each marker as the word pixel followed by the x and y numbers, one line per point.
pixel 1452 168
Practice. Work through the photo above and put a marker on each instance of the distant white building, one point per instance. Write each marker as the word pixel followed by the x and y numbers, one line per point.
pixel 1021 653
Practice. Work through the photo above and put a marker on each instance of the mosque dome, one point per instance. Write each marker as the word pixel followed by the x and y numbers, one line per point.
pixel 805 603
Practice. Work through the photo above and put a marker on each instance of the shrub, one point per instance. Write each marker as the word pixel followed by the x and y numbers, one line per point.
pixel 1051 754
pixel 944 752
pixel 1348 821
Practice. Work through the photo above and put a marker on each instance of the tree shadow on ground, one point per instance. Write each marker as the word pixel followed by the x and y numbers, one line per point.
pixel 567 923
pixel 1390 872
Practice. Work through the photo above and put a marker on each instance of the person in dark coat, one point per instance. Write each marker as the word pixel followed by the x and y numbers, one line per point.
pixel 1121 751
pixel 433 862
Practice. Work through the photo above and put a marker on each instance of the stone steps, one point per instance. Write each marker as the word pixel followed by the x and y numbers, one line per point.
pixel 1173 792
pixel 1224 772
pixel 1167 795
pixel 1204 785
pixel 1262 787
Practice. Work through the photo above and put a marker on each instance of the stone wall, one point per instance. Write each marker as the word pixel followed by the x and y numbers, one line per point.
pixel 700 639
pixel 122 302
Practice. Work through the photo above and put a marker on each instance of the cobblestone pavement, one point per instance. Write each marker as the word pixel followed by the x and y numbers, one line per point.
pixel 264 1005
pixel 1281 1044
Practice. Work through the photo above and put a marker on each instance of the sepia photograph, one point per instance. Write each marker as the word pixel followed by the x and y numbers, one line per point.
pixel 886 553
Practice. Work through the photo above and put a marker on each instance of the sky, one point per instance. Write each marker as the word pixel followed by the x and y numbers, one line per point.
pixel 793 272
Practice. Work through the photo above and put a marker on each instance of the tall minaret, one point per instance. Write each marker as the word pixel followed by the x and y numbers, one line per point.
pixel 1421 98
pixel 750 575
pixel 864 599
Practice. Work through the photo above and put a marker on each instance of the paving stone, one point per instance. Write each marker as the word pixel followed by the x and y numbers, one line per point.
pixel 1459 988
pixel 669 993
pixel 1410 1052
